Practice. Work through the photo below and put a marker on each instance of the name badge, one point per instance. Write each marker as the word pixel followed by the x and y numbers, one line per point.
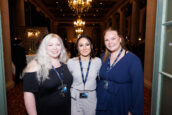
pixel 63 89
pixel 84 95
pixel 105 84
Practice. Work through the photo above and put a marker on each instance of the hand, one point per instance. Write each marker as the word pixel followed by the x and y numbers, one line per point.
pixel 129 113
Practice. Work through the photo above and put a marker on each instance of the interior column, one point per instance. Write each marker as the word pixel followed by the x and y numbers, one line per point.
pixel 134 22
pixel 6 43
pixel 149 41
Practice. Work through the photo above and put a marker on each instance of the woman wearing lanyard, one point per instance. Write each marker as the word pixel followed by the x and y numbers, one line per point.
pixel 47 80
pixel 121 86
pixel 84 69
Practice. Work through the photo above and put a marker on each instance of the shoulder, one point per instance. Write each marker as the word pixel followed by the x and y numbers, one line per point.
pixel 97 59
pixel 63 65
pixel 97 62
pixel 133 58
pixel 32 66
pixel 72 60
pixel 102 56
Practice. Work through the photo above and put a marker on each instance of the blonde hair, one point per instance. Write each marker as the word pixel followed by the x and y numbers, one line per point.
pixel 122 42
pixel 43 60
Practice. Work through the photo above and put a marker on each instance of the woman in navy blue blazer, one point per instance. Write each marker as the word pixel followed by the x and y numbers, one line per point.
pixel 120 89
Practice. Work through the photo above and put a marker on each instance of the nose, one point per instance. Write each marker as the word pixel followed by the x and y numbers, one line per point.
pixel 84 47
pixel 108 42
pixel 54 47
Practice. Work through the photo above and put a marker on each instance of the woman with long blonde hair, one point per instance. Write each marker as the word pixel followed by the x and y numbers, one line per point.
pixel 47 80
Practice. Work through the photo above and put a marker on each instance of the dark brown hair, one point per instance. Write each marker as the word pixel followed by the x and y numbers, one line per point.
pixel 92 54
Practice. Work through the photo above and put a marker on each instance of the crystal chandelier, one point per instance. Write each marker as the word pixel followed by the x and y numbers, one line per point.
pixel 79 25
pixel 79 31
pixel 79 6
pixel 79 22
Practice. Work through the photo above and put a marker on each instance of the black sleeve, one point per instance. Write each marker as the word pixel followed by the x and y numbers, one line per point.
pixel 30 82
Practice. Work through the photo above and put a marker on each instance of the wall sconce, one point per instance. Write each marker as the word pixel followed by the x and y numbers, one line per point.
pixel 33 34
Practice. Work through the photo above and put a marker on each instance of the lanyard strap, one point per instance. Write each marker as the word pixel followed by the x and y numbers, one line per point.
pixel 59 76
pixel 82 73
pixel 110 67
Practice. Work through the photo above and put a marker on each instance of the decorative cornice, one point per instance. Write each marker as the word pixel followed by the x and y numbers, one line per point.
pixel 89 21
pixel 114 9
pixel 39 5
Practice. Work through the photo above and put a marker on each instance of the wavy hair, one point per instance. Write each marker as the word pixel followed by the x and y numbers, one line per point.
pixel 43 60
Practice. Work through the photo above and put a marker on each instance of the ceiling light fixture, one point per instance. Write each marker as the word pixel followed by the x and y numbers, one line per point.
pixel 79 32
pixel 79 25
pixel 79 6
pixel 79 22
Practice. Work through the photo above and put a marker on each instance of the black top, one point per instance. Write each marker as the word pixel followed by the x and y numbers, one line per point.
pixel 49 100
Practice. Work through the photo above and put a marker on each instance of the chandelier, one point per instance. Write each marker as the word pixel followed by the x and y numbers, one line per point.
pixel 79 6
pixel 79 25
pixel 79 31
pixel 79 22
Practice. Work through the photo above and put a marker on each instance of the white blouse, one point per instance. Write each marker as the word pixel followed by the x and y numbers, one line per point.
pixel 74 67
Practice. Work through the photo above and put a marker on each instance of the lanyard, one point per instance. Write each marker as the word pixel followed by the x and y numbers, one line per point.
pixel 110 67
pixel 59 76
pixel 82 73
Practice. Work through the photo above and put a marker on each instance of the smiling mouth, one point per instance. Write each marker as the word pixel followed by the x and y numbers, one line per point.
pixel 54 52
pixel 110 46
pixel 85 51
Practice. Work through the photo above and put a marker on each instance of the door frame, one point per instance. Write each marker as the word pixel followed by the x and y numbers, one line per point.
pixel 3 100
pixel 158 56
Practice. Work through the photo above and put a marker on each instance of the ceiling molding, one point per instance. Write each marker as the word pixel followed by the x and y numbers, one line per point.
pixel 43 8
pixel 114 9
pixel 88 21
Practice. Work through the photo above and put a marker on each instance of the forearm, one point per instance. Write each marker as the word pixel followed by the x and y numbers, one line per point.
pixel 30 104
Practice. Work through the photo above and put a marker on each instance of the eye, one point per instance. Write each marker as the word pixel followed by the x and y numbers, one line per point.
pixel 80 45
pixel 57 44
pixel 49 44
pixel 113 38
pixel 106 40
pixel 87 44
